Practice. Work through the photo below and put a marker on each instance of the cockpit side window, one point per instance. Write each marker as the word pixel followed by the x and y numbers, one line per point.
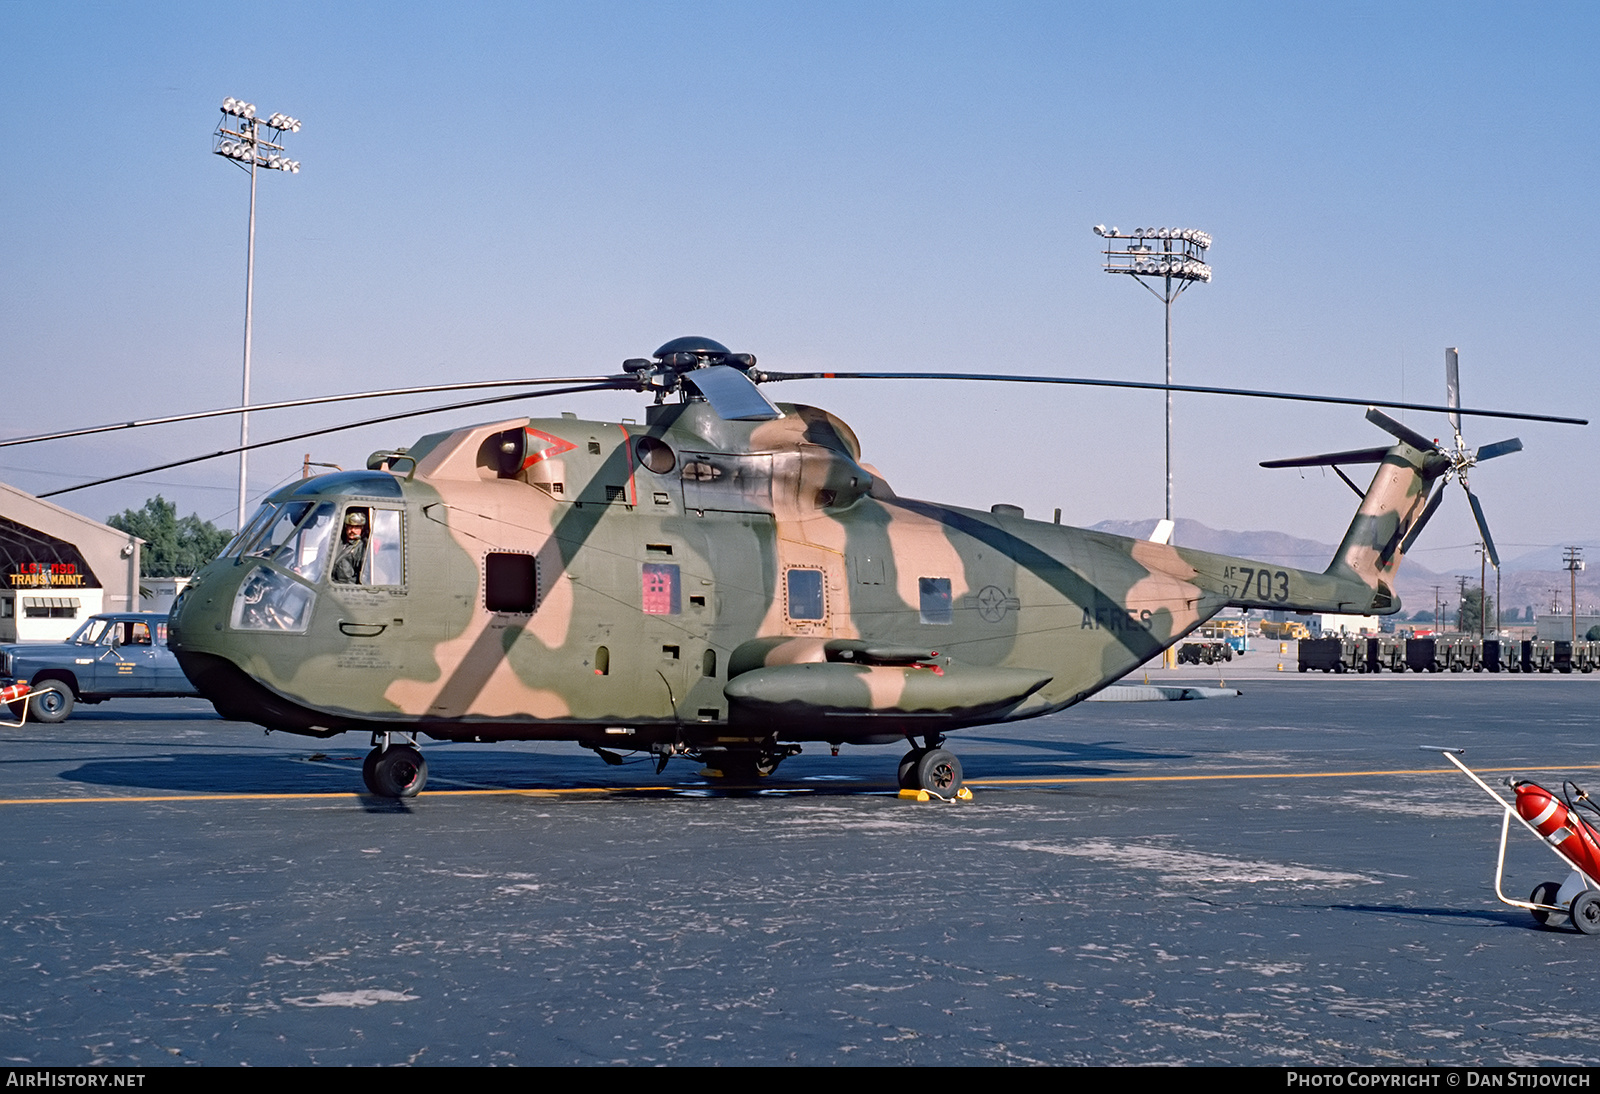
pixel 370 550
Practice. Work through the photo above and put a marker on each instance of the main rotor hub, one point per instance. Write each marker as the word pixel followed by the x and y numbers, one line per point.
pixel 692 351
pixel 682 356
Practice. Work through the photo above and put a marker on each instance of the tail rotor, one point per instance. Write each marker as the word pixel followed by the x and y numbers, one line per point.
pixel 1462 459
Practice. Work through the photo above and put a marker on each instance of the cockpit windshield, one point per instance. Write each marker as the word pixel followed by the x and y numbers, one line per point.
pixel 296 538
pixel 262 518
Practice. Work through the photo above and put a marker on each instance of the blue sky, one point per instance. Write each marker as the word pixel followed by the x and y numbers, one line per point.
pixel 547 189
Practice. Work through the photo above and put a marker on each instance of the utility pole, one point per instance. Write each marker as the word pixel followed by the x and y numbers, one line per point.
pixel 1572 558
pixel 1483 592
pixel 1461 605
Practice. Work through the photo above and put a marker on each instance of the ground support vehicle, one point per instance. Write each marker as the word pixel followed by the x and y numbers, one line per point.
pixel 1422 654
pixel 1441 653
pixel 1333 654
pixel 1204 651
pixel 1496 655
pixel 1385 653
pixel 114 655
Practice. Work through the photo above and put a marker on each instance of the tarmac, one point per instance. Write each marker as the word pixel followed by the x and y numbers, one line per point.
pixel 1280 878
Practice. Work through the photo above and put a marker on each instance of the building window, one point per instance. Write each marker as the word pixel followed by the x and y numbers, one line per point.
pixel 49 607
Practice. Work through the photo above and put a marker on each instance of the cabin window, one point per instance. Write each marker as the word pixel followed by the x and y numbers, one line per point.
pixel 660 588
pixel 805 594
pixel 510 583
pixel 935 600
pixel 708 664
pixel 602 661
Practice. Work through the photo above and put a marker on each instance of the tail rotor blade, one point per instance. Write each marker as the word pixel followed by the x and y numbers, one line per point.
pixel 1499 448
pixel 1422 521
pixel 1452 386
pixel 1405 433
pixel 1483 527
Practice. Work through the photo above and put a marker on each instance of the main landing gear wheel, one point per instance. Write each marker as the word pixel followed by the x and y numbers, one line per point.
pixel 907 773
pixel 937 772
pixel 398 771
pixel 1544 893
pixel 1586 912
pixel 52 702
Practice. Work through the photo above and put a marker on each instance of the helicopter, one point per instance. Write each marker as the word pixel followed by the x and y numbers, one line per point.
pixel 726 582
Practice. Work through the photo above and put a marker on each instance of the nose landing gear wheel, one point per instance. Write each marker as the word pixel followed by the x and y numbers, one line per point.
pixel 396 772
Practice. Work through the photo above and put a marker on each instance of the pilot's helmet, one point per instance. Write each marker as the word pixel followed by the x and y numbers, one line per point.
pixel 355 519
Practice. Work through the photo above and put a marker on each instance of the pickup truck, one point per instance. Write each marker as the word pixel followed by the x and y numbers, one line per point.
pixel 115 655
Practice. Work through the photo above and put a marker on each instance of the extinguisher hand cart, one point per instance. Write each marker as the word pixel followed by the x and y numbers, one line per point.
pixel 1555 821
pixel 15 696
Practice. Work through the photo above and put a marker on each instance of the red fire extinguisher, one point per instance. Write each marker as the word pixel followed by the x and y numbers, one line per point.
pixel 1559 823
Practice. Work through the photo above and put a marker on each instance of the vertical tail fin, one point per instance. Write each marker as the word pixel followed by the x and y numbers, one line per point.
pixel 1392 513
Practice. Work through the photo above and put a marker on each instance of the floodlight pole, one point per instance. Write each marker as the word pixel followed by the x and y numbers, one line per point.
pixel 249 310
pixel 1178 264
pixel 247 147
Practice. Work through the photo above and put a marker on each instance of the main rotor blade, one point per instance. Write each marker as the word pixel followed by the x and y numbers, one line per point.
pixel 1452 386
pixel 330 429
pixel 1332 459
pixel 621 383
pixel 1499 448
pixel 732 395
pixel 1190 388
pixel 1404 432
pixel 1483 526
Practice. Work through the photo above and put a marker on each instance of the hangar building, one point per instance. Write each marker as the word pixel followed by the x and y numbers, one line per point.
pixel 58 567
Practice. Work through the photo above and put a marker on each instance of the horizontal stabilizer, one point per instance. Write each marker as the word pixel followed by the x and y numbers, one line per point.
pixel 1332 459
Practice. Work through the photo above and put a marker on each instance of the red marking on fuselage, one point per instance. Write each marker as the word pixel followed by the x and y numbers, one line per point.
pixel 557 446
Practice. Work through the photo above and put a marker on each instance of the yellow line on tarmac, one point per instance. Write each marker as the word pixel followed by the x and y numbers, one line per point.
pixel 319 796
pixel 558 791
pixel 1047 780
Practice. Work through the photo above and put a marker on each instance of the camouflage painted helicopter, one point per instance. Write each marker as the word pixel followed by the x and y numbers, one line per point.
pixel 727 582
